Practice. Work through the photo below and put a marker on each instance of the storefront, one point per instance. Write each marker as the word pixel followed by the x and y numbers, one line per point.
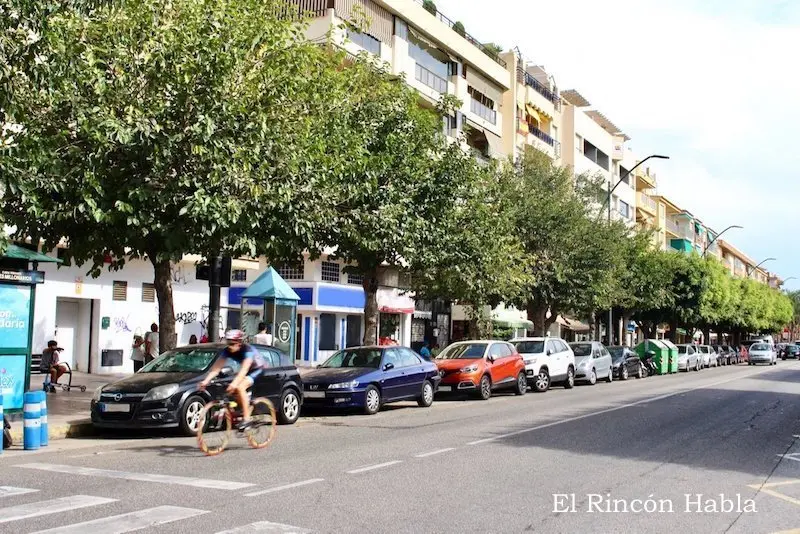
pixel 430 322
pixel 396 309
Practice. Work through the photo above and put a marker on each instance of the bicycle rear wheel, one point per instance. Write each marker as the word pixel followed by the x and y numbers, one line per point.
pixel 214 429
pixel 263 422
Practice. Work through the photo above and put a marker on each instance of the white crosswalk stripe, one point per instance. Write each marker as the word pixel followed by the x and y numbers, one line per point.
pixel 117 524
pixel 265 527
pixel 141 477
pixel 10 491
pixel 52 506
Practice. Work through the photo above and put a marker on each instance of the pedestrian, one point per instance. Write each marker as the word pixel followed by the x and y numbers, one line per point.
pixel 193 340
pixel 425 351
pixel 204 338
pixel 137 351
pixel 51 366
pixel 264 336
pixel 151 344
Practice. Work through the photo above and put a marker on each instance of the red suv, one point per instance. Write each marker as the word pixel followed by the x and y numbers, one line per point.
pixel 482 367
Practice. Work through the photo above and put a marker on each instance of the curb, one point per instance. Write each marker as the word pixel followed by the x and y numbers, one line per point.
pixel 72 429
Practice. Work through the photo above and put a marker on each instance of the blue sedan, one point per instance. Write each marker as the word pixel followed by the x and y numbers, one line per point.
pixel 369 377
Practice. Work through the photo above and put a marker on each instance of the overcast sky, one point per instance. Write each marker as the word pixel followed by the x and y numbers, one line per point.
pixel 714 84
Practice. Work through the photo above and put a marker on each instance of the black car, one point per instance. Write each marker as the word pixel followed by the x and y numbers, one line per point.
pixel 721 353
pixel 164 393
pixel 626 363
pixel 791 351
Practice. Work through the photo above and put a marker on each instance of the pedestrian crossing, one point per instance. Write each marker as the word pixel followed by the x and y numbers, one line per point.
pixel 15 516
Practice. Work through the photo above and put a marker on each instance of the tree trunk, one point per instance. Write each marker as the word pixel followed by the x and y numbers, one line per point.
pixel 370 285
pixel 538 315
pixel 167 339
pixel 673 331
pixel 706 336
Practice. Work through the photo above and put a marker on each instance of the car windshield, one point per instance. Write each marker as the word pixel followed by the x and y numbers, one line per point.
pixel 617 352
pixel 759 346
pixel 682 349
pixel 529 347
pixel 581 349
pixel 370 358
pixel 181 361
pixel 463 351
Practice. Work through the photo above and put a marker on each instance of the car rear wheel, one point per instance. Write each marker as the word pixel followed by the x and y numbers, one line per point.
pixel 290 407
pixel 593 377
pixel 372 400
pixel 190 415
pixel 426 397
pixel 485 388
pixel 569 383
pixel 522 384
pixel 542 381
pixel 640 374
pixel 623 375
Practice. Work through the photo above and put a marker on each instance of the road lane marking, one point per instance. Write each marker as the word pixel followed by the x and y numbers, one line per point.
pixel 117 524
pixel 54 506
pixel 287 486
pixel 781 496
pixel 795 456
pixel 267 527
pixel 93 454
pixel 433 453
pixel 775 484
pixel 608 410
pixel 10 491
pixel 141 477
pixel 373 467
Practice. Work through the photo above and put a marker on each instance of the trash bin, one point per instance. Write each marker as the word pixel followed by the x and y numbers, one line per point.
pixel 661 358
pixel 673 356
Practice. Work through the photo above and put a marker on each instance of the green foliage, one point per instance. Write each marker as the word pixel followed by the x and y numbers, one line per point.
pixel 458 27
pixel 429 6
pixel 492 49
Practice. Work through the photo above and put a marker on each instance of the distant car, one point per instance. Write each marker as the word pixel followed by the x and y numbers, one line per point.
pixel 626 363
pixel 762 353
pixel 722 354
pixel 482 366
pixel 709 356
pixel 733 354
pixel 548 361
pixel 689 358
pixel 592 361
pixel 164 393
pixel 369 377
pixel 791 351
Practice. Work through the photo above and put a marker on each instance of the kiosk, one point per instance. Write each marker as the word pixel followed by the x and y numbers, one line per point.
pixel 17 302
pixel 280 308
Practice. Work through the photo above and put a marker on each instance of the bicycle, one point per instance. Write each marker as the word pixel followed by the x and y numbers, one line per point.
pixel 220 416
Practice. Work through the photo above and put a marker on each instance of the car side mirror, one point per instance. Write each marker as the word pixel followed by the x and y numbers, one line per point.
pixel 226 371
pixel 549 352
pixel 388 367
pixel 490 358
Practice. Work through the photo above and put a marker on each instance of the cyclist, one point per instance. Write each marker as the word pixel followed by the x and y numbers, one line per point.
pixel 251 365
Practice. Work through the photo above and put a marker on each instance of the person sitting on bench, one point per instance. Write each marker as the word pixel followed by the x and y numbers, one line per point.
pixel 50 365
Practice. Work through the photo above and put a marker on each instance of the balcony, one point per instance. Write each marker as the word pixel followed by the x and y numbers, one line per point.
pixel 530 81
pixel 672 228
pixel 536 132
pixel 428 78
pixel 644 180
pixel 646 203
pixel 483 111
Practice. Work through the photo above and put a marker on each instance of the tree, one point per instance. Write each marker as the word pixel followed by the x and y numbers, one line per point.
pixel 169 128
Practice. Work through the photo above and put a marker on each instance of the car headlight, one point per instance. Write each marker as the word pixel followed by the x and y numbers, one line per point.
pixel 161 392
pixel 584 363
pixel 97 392
pixel 469 369
pixel 344 385
pixel 531 361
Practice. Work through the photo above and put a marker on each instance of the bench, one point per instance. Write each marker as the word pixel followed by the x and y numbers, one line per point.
pixel 36 361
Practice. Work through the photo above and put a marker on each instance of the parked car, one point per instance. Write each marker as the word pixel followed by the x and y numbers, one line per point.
pixel 733 354
pixel 592 361
pixel 369 377
pixel 791 351
pixel 548 361
pixel 709 356
pixel 626 363
pixel 482 366
pixel 722 354
pixel 689 358
pixel 164 393
pixel 762 353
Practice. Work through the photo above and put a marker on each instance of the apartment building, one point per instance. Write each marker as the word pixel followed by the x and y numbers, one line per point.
pixel 592 144
pixel 435 56
pixel 536 104
pixel 742 266
pixel 651 212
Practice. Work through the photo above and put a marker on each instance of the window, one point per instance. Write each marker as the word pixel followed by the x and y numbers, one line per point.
pixel 327 331
pixel 500 350
pixel 330 271
pixel 239 275
pixel 365 41
pixel 624 209
pixel 148 292
pixel 353 336
pixel 270 357
pixel 355 279
pixel 561 346
pixel 119 290
pixel 292 271
pixel 432 65
pixel 408 358
pixel 401 28
pixel 482 106
pixel 551 346
pixel 430 79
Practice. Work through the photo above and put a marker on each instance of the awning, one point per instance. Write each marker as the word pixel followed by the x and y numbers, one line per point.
pixel 517 323
pixel 510 317
pixel 533 113
pixel 573 324
pixel 270 285
pixel 422 314
pixel 495 143
pixel 390 300
pixel 20 253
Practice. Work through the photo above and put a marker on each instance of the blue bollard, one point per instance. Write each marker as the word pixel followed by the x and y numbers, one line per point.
pixel 31 434
pixel 1 419
pixel 43 436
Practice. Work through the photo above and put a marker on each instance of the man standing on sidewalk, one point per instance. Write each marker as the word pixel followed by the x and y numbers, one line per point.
pixel 264 337
pixel 151 344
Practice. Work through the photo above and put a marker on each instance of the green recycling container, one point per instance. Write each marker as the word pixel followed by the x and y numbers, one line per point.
pixel 673 356
pixel 661 358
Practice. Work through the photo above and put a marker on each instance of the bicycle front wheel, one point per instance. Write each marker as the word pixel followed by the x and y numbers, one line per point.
pixel 263 423
pixel 214 428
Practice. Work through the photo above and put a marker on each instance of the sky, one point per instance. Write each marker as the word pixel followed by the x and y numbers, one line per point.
pixel 713 84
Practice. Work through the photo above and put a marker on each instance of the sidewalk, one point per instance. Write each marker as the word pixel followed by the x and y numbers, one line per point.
pixel 67 411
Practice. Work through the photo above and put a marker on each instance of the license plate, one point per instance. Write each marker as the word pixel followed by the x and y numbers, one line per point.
pixel 105 407
pixel 315 394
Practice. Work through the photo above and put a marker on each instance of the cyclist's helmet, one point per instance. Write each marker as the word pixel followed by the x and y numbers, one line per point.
pixel 234 335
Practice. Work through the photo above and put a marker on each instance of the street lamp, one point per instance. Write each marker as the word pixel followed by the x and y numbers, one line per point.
pixel 757 266
pixel 609 334
pixel 718 236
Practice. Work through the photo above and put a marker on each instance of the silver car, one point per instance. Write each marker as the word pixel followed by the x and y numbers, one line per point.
pixel 762 353
pixel 592 361
pixel 689 358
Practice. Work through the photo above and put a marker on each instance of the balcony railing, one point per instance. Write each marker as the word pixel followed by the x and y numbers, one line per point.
pixel 467 36
pixel 530 81
pixel 647 202
pixel 672 226
pixel 541 135
pixel 483 111
pixel 434 81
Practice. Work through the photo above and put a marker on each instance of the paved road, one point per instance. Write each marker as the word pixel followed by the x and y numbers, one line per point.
pixel 460 466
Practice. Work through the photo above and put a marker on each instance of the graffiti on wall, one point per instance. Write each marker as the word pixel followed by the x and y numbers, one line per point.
pixel 121 324
pixel 186 317
pixel 181 276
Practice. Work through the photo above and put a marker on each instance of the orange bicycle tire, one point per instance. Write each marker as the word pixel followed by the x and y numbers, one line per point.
pixel 204 427
pixel 262 415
